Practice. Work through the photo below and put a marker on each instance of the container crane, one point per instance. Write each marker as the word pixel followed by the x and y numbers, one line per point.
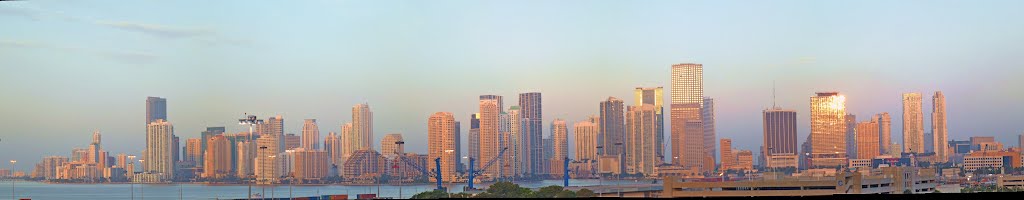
pixel 430 173
pixel 473 173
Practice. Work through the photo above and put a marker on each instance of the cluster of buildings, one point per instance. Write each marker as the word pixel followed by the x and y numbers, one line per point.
pixel 508 142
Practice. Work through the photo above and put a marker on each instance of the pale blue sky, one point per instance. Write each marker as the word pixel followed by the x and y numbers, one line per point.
pixel 69 67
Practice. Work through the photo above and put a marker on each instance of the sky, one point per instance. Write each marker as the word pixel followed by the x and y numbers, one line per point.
pixel 72 67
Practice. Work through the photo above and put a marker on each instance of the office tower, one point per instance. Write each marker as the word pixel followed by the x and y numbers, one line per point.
pixel 159 158
pixel 708 117
pixel 641 139
pixel 828 130
pixel 586 140
pixel 205 137
pixel 744 160
pixel 292 141
pixel 310 135
pixel 193 150
pixel 218 158
pixel 728 158
pixel 612 128
pixel 458 145
pixel 474 136
pixel 122 161
pixel 501 104
pixel 388 148
pixel 547 144
pixel 93 155
pixel 156 108
pixel 246 159
pixel 560 146
pixel 505 141
pixel 175 148
pixel 349 143
pixel 686 116
pixel 533 130
pixel 851 136
pixel 654 97
pixel 362 126
pixel 913 127
pixel 939 132
pixel 780 137
pixel 333 147
pixel 267 164
pixel 929 139
pixel 489 137
pixel 867 140
pixel 884 133
pixel 516 150
pixel 310 165
pixel 442 144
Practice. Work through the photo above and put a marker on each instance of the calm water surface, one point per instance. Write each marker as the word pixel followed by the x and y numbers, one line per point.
pixel 36 190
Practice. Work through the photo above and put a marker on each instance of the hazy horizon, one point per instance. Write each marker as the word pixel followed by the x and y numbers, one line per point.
pixel 74 67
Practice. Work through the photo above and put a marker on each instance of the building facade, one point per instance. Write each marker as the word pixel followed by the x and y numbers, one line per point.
pixel 913 124
pixel 828 130
pixel 310 135
pixel 158 157
pixel 362 126
pixel 939 132
pixel 687 100
pixel 586 140
pixel 779 136
pixel 533 130
pixel 442 136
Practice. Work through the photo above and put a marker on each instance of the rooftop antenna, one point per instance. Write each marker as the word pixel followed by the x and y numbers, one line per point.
pixel 773 95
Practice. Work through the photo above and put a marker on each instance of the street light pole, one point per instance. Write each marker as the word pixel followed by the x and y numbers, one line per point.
pixel 600 177
pixel 131 160
pixel 12 179
pixel 619 177
pixel 250 120
pixel 400 169
pixel 142 188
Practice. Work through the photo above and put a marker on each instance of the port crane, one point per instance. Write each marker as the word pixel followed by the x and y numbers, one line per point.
pixel 473 173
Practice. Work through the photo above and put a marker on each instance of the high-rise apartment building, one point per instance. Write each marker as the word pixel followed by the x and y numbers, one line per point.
pixel 516 143
pixel 218 158
pixel 708 117
pixel 458 146
pixel 388 146
pixel 828 130
pixel 441 144
pixel 939 132
pixel 203 138
pixel 474 136
pixel 884 133
pixel 333 147
pixel 560 146
pixel 156 108
pixel 159 158
pixel 611 130
pixel 310 165
pixel 687 133
pixel 867 140
pixel 913 124
pixel 267 162
pixel 292 141
pixel 654 96
pixel 310 135
pixel 349 142
pixel 501 103
pixel 489 137
pixel 246 159
pixel 780 140
pixel 641 139
pixel 362 126
pixel 586 140
pixel 533 130
pixel 193 150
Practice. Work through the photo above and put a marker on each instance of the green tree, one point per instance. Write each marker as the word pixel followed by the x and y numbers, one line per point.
pixel 506 190
pixel 548 192
pixel 584 193
pixel 433 194
pixel 566 194
pixel 461 195
pixel 907 192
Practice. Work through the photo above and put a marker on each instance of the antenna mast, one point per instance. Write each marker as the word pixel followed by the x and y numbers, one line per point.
pixel 773 95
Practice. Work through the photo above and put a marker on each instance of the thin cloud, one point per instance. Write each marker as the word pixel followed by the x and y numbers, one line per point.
pixel 19 12
pixel 132 57
pixel 158 30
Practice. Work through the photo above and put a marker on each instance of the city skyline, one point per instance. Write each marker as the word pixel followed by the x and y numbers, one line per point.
pixel 741 93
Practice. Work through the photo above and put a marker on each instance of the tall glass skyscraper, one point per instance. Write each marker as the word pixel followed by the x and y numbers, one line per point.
pixel 913 124
pixel 939 126
pixel 533 130
pixel 687 133
pixel 828 130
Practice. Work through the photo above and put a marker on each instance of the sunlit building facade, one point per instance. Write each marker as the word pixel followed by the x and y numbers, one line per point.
pixel 939 132
pixel 913 124
pixel 586 140
pixel 388 146
pixel 687 101
pixel 867 140
pixel 560 146
pixel 159 158
pixel 441 135
pixel 310 135
pixel 362 127
pixel 218 158
pixel 641 139
pixel 489 144
pixel 828 130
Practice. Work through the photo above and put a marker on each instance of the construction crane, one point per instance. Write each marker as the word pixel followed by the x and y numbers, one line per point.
pixel 430 173
pixel 473 173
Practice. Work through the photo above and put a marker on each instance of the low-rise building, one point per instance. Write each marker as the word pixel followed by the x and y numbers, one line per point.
pixel 1011 181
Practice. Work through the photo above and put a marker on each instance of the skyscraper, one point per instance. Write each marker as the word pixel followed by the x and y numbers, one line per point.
pixel 442 143
pixel 501 104
pixel 939 131
pixel 333 147
pixel 362 126
pixel 310 135
pixel 560 146
pixel 708 117
pixel 310 165
pixel 388 148
pixel 474 136
pixel 611 129
pixel 159 158
pixel 218 154
pixel 204 137
pixel 489 144
pixel 913 124
pixel 458 146
pixel 586 140
pixel 641 139
pixel 349 142
pixel 851 136
pixel 780 137
pixel 728 158
pixel 156 108
pixel 884 132
pixel 533 130
pixel 686 116
pixel 867 140
pixel 828 130
pixel 267 167
pixel 654 96
pixel 292 141
pixel 516 150
pixel 246 156
pixel 193 151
